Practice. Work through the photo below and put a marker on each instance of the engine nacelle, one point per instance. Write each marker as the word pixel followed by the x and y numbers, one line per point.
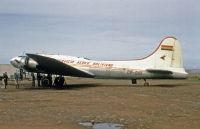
pixel 30 64
pixel 24 62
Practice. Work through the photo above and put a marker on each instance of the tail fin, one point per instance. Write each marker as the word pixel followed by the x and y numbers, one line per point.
pixel 168 54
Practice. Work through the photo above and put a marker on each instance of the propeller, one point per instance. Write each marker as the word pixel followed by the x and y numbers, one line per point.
pixel 23 61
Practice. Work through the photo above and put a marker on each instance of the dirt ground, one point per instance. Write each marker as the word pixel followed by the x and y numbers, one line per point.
pixel 166 104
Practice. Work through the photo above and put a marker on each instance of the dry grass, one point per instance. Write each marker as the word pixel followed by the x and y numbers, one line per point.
pixel 166 104
pixel 194 76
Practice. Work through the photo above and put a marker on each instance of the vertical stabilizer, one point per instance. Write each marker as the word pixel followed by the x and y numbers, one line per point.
pixel 168 54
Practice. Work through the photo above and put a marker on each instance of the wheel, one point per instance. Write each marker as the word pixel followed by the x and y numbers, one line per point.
pixel 45 82
pixel 59 82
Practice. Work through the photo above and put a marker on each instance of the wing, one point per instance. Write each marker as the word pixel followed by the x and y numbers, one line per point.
pixel 53 66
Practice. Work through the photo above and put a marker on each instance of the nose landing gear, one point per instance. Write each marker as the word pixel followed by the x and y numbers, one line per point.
pixel 134 81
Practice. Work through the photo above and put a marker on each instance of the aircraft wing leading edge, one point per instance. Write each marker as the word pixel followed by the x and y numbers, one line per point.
pixel 53 66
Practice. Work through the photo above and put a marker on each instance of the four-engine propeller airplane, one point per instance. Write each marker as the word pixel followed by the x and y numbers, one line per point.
pixel 164 63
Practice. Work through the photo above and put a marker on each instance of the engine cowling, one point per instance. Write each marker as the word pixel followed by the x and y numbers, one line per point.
pixel 24 62
pixel 29 64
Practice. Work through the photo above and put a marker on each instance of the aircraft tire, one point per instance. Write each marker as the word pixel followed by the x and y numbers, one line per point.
pixel 45 82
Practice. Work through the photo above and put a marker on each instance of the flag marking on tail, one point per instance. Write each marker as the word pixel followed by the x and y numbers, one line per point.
pixel 167 47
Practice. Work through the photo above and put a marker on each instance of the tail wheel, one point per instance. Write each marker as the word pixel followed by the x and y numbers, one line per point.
pixel 146 84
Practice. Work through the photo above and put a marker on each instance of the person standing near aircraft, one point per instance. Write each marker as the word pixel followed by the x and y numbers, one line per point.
pixel 49 77
pixel 16 76
pixel 21 74
pixel 61 81
pixel 39 77
pixel 33 79
pixel 5 79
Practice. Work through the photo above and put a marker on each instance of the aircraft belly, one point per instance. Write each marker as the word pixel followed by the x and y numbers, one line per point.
pixel 130 74
pixel 120 74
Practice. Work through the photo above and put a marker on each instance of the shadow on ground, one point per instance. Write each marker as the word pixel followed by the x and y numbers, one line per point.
pixel 68 87
pixel 84 86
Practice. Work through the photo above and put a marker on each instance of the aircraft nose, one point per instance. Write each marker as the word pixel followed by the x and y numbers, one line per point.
pixel 15 62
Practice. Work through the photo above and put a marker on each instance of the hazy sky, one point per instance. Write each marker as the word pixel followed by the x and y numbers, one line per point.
pixel 98 29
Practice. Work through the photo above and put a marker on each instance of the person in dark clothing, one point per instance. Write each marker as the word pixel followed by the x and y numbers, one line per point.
pixel 21 74
pixel 56 82
pixel 5 79
pixel 61 81
pixel 49 77
pixel 33 79
pixel 39 77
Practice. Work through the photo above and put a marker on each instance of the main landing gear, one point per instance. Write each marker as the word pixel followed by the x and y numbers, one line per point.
pixel 47 81
pixel 134 81
pixel 146 83
pixel 59 82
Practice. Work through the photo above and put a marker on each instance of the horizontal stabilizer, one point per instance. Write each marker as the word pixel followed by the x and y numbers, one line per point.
pixel 159 71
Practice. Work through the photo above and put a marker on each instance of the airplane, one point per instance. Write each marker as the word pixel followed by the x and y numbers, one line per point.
pixel 164 63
